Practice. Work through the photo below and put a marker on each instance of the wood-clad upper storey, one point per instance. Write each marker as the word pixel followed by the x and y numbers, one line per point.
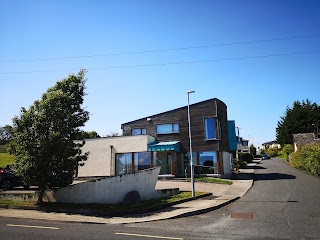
pixel 212 108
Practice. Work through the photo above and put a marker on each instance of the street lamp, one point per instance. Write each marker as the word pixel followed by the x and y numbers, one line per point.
pixel 191 157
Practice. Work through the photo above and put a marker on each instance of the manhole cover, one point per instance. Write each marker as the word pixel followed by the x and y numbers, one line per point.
pixel 242 215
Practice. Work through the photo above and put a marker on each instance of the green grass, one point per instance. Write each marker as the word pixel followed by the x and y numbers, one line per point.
pixel 281 155
pixel 212 180
pixel 107 208
pixel 5 159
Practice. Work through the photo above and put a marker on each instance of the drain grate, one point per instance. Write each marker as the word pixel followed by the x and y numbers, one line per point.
pixel 241 215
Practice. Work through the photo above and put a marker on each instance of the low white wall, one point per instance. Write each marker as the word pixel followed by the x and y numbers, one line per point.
pixel 112 189
pixel 227 163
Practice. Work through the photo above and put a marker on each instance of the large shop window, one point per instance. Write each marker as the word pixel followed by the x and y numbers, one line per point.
pixel 139 131
pixel 123 163
pixel 212 128
pixel 208 159
pixel 168 128
pixel 142 160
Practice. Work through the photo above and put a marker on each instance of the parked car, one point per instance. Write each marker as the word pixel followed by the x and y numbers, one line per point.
pixel 265 156
pixel 9 180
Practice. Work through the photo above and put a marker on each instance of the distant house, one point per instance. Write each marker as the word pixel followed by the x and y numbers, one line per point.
pixel 271 144
pixel 243 145
pixel 302 139
pixel 163 140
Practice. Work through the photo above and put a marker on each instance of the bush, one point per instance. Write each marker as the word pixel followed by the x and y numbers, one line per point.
pixel 287 149
pixel 272 152
pixel 307 158
pixel 246 157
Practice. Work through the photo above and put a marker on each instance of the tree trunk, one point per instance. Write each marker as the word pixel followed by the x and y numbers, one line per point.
pixel 41 192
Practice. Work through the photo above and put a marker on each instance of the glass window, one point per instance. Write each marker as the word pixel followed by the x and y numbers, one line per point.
pixel 245 143
pixel 123 163
pixel 168 128
pixel 142 160
pixel 162 159
pixel 138 131
pixel 212 128
pixel 208 159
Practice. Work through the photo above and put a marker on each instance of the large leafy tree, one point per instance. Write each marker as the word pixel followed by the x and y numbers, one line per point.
pixel 44 135
pixel 303 117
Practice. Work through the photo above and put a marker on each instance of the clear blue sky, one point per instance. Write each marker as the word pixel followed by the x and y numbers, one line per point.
pixel 255 80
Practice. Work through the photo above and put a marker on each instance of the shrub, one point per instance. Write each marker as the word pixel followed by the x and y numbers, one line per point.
pixel 246 157
pixel 307 158
pixel 287 149
pixel 272 152
pixel 253 150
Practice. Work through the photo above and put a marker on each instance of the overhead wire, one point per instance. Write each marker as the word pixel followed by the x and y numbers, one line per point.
pixel 161 50
pixel 170 63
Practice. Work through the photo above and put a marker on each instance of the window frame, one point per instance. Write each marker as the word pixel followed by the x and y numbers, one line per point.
pixel 174 126
pixel 141 131
pixel 217 128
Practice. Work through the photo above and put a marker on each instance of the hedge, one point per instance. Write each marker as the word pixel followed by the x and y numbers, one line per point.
pixel 307 158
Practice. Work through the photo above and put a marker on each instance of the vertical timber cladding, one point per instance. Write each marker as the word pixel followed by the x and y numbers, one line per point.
pixel 198 111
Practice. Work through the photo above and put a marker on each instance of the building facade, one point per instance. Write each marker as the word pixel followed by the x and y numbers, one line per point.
pixel 210 143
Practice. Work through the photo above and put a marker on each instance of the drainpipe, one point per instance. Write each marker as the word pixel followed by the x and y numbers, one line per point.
pixel 111 161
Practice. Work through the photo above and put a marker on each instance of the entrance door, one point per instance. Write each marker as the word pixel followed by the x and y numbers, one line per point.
pixel 165 161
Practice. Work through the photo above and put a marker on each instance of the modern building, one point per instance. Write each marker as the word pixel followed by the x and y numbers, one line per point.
pixel 210 142
pixel 162 140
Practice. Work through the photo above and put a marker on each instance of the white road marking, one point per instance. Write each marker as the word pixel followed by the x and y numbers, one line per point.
pixel 148 236
pixel 28 226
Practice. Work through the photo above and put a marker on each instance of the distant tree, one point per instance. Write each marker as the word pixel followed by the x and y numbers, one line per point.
pixel 253 150
pixel 44 135
pixel 5 134
pixel 113 134
pixel 87 135
pixel 301 118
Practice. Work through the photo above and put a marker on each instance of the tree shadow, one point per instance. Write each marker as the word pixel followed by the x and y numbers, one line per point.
pixel 272 176
pixel 254 167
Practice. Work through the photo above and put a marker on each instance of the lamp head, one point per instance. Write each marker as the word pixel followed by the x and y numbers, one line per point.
pixel 190 92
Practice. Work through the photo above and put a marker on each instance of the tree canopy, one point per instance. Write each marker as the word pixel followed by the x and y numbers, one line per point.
pixel 44 135
pixel 303 117
pixel 5 134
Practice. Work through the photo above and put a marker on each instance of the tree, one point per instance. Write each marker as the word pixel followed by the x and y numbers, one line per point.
pixel 253 150
pixel 87 135
pixel 5 134
pixel 301 118
pixel 113 134
pixel 44 136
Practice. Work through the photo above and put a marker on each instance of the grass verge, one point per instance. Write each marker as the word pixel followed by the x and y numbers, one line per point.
pixel 212 180
pixel 105 209
pixel 5 159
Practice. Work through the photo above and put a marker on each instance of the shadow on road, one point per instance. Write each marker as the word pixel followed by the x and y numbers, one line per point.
pixel 272 176
pixel 255 167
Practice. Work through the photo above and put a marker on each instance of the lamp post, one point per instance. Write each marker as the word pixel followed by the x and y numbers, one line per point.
pixel 191 157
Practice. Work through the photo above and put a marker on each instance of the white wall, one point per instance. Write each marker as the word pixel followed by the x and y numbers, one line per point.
pixel 100 162
pixel 227 161
pixel 112 189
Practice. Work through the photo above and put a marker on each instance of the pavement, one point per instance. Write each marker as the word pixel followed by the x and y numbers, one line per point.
pixel 222 195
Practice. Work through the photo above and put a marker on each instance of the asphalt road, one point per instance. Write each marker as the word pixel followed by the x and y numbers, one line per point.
pixel 284 203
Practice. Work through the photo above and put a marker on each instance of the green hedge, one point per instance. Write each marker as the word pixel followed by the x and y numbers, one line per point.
pixel 307 158
pixel 247 157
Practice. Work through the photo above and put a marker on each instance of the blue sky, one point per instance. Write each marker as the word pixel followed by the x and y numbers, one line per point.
pixel 216 48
